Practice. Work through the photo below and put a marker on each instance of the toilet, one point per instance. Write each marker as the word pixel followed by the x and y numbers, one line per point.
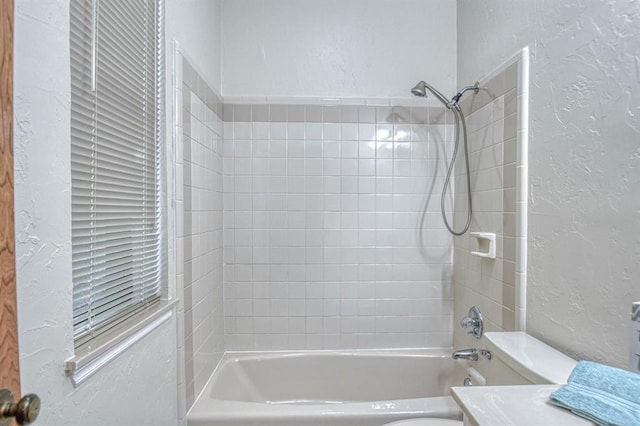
pixel 516 359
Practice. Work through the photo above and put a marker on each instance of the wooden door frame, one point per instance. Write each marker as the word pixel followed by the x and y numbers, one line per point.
pixel 9 360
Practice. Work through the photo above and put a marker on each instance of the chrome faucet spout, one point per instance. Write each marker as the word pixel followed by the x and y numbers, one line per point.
pixel 471 354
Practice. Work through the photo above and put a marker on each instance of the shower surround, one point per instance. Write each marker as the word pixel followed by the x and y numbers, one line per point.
pixel 323 247
pixel 316 224
pixel 198 227
pixel 498 145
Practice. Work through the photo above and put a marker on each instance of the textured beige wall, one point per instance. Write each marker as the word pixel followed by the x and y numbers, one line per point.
pixel 337 48
pixel 120 393
pixel 584 161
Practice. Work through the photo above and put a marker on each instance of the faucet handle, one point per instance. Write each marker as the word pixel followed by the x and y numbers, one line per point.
pixel 468 323
pixel 486 353
pixel 473 323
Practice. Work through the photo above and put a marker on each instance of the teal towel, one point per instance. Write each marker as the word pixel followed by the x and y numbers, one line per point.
pixel 605 395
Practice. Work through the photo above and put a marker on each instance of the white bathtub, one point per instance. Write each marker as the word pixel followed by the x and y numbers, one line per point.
pixel 321 388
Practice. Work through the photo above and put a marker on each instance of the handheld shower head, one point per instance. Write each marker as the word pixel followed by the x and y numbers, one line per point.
pixel 419 90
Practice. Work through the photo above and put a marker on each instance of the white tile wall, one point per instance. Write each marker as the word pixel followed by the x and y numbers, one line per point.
pixel 482 279
pixel 199 185
pixel 203 241
pixel 322 240
pixel 498 177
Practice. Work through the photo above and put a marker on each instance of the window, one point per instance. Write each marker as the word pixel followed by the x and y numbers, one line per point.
pixel 116 52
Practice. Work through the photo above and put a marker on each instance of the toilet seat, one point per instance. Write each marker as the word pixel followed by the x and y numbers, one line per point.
pixel 426 422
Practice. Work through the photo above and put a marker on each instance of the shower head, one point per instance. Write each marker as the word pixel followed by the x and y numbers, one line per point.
pixel 421 88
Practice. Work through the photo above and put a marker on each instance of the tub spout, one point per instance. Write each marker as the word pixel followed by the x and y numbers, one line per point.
pixel 471 354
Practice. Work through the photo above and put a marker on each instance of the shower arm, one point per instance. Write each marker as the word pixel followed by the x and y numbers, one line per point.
pixel 475 88
pixel 453 103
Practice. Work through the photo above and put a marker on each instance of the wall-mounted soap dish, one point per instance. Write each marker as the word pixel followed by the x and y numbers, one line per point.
pixel 486 244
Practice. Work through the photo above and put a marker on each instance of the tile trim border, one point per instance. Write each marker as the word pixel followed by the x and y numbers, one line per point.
pixel 522 188
pixel 312 113
pixel 192 80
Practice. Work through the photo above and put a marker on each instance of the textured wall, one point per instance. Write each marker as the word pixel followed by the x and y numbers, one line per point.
pixel 584 160
pixel 196 25
pixel 337 48
pixel 139 387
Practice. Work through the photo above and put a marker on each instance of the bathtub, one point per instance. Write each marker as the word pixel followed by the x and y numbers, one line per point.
pixel 326 388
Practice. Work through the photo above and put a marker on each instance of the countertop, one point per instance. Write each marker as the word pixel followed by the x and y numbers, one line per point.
pixel 514 405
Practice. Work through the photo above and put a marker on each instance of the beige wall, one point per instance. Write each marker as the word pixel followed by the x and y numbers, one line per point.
pixel 584 229
pixel 196 25
pixel 337 48
pixel 139 386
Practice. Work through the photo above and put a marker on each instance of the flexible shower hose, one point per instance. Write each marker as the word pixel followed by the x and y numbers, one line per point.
pixel 459 119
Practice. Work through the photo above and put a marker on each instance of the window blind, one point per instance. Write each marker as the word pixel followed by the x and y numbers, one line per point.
pixel 116 82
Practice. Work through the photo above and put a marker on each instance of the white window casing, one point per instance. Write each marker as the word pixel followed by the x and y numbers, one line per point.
pixel 117 83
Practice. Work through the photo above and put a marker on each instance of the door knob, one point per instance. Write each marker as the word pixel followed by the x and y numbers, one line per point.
pixel 24 411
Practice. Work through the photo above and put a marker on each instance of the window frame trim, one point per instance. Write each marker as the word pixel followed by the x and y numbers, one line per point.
pixel 105 347
pixel 92 355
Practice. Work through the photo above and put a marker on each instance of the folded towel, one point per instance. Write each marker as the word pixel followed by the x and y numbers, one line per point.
pixel 605 395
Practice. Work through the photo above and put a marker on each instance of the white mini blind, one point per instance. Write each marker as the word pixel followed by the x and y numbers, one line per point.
pixel 116 82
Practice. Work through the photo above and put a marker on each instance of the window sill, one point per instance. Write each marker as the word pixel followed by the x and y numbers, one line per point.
pixel 90 359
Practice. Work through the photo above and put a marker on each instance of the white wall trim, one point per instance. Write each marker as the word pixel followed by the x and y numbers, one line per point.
pixel 522 189
pixel 82 366
pixel 521 55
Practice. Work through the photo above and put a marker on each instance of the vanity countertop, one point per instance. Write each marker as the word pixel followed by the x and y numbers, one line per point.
pixel 513 405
